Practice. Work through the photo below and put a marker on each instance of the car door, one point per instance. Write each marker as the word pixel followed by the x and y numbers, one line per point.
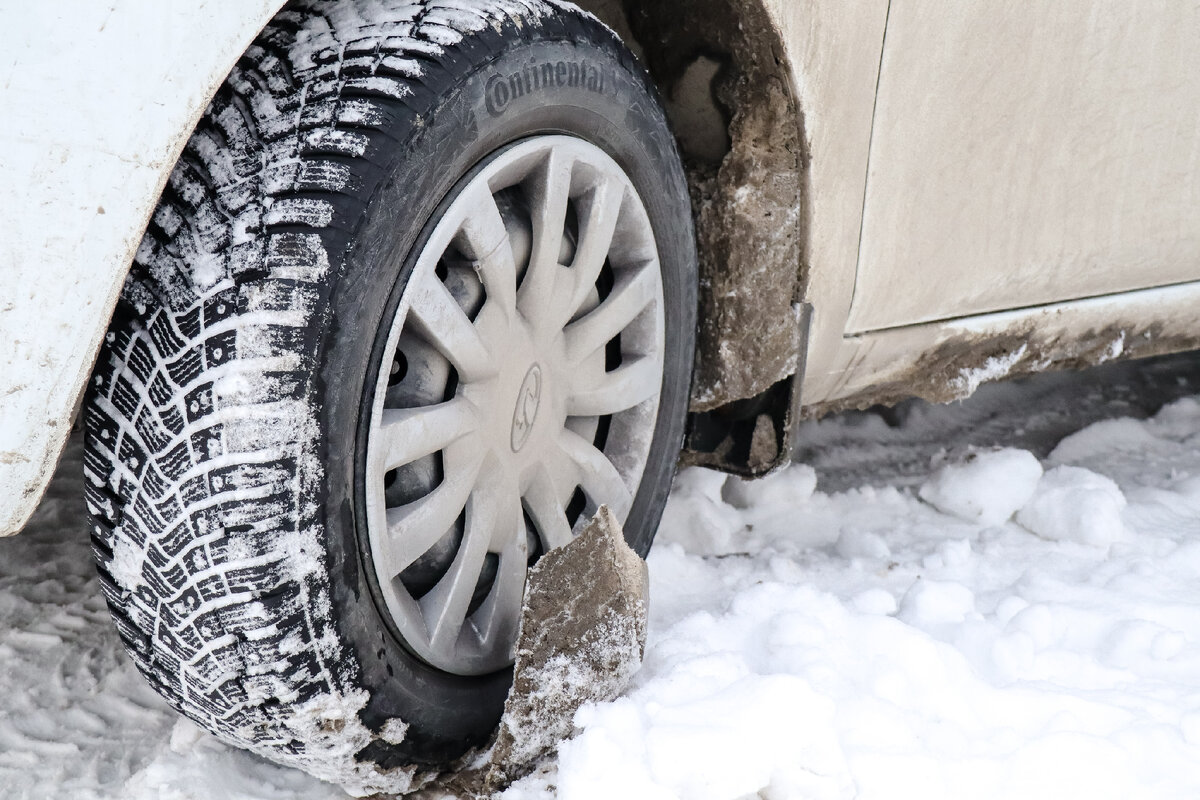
pixel 1029 153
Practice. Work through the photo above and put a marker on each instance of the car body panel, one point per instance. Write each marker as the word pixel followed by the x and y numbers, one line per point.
pixel 1027 154
pixel 98 101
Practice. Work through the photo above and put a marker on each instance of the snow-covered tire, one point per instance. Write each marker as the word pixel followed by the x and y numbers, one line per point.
pixel 227 419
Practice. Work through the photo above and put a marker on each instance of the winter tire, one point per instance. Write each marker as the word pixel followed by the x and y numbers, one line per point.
pixel 418 297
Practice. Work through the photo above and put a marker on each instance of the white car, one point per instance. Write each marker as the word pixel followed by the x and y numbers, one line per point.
pixel 366 304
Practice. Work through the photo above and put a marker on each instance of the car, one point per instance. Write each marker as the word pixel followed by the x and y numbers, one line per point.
pixel 364 305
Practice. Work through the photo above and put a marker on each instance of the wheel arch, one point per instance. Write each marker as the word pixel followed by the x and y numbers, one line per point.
pixel 724 69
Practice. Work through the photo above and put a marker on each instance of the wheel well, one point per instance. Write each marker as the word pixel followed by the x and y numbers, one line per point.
pixel 723 70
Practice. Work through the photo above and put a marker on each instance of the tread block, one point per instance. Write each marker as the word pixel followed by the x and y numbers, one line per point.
pixel 165 335
pixel 132 455
pixel 218 350
pixel 186 368
pixel 219 307
pixel 125 397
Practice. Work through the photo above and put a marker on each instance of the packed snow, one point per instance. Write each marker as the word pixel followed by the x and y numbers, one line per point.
pixel 994 599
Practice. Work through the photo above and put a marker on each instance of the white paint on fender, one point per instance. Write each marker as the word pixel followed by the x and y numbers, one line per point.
pixel 96 102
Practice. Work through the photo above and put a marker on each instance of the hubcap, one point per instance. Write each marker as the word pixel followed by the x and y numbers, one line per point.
pixel 519 392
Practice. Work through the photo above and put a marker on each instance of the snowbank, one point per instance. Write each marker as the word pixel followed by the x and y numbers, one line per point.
pixel 803 643
pixel 864 645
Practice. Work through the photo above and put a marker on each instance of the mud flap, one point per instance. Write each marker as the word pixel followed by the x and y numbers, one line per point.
pixel 752 437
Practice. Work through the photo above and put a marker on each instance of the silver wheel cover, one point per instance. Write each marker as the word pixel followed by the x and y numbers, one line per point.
pixel 519 392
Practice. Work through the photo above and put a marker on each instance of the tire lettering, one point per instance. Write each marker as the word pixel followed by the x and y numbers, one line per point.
pixel 502 90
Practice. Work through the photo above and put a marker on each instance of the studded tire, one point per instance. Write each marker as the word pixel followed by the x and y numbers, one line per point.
pixel 223 423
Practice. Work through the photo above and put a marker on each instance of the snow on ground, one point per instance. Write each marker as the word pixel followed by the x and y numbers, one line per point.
pixel 923 610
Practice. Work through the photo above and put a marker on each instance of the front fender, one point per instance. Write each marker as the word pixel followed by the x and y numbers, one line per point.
pixel 96 103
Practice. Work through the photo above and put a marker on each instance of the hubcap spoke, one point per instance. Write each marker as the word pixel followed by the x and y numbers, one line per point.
pixel 635 290
pixel 413 433
pixel 447 603
pixel 549 196
pixel 500 615
pixel 440 320
pixel 600 215
pixel 549 516
pixel 627 386
pixel 599 223
pixel 596 474
pixel 418 526
pixel 485 239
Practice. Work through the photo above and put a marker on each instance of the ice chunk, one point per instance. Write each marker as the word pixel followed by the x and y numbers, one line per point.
pixel 791 487
pixel 698 518
pixel 583 635
pixel 861 544
pixel 985 487
pixel 1073 504
pixel 1104 438
pixel 930 603
pixel 875 601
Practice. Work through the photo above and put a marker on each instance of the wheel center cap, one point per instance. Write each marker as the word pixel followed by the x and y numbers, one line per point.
pixel 529 400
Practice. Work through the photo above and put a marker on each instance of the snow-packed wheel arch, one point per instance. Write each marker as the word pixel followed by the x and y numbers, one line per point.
pixel 725 70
